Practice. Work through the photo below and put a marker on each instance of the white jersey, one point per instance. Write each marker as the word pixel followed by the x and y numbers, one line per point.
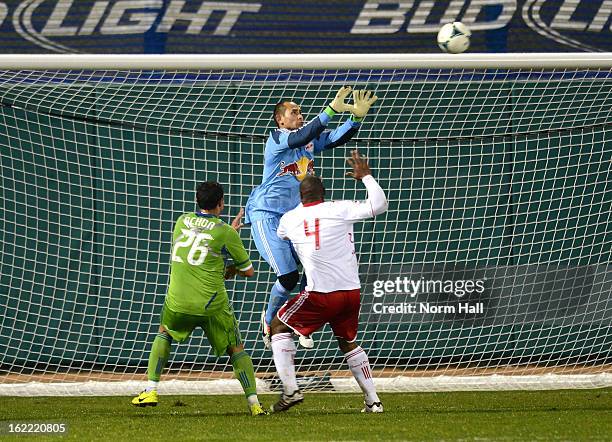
pixel 322 235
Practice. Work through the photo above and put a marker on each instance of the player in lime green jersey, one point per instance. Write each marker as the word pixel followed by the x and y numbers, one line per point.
pixel 197 296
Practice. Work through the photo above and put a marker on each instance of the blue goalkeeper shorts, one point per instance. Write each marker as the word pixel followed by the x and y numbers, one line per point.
pixel 277 252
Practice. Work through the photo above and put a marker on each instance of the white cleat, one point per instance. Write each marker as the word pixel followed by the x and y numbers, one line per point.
pixel 376 407
pixel 306 342
pixel 265 331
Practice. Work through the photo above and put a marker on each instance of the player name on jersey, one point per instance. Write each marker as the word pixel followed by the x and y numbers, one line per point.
pixel 194 221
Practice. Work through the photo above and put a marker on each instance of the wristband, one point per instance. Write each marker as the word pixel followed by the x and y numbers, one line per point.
pixel 330 111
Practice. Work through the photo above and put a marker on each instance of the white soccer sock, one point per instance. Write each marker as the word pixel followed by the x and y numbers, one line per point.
pixel 252 400
pixel 283 349
pixel 152 385
pixel 357 361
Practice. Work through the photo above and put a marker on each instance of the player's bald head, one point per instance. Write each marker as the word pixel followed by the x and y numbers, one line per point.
pixel 311 189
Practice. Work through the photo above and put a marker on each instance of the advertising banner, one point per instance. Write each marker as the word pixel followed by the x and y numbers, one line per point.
pixel 275 26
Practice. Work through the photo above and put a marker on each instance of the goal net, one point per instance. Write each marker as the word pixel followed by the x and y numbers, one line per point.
pixel 490 270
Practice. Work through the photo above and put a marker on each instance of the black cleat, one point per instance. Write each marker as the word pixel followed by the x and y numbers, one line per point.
pixel 287 401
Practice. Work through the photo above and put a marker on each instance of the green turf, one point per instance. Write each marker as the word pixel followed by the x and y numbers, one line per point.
pixel 544 415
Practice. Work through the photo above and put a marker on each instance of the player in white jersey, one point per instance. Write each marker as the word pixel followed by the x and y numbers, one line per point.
pixel 322 234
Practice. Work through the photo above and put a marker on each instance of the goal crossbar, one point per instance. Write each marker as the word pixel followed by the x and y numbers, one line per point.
pixel 567 60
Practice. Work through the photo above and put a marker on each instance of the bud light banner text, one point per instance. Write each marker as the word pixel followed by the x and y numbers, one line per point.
pixel 271 26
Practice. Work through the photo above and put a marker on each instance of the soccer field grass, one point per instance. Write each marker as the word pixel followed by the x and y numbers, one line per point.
pixel 537 415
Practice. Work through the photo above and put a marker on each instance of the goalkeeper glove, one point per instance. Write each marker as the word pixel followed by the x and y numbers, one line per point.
pixel 338 105
pixel 362 101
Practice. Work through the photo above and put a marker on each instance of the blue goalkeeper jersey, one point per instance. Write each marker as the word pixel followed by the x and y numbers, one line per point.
pixel 288 158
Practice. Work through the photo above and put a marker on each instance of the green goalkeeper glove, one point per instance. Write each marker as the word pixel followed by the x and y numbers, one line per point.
pixel 362 101
pixel 338 105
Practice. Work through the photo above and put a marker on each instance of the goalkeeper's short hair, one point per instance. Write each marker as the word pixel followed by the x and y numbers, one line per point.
pixel 209 194
pixel 279 109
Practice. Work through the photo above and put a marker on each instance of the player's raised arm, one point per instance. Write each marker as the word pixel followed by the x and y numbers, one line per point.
pixel 362 102
pixel 232 270
pixel 237 221
pixel 242 263
pixel 288 118
pixel 377 201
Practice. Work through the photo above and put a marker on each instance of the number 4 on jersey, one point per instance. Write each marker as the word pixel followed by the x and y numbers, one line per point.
pixel 315 233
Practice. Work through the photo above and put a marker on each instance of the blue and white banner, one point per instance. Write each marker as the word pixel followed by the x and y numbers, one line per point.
pixel 287 26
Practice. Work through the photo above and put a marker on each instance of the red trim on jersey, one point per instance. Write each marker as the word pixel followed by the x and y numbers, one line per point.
pixel 314 203
pixel 309 311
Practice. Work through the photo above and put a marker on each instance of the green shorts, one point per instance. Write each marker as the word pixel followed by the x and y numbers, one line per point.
pixel 221 328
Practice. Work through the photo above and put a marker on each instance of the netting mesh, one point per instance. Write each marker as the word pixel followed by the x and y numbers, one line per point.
pixel 499 195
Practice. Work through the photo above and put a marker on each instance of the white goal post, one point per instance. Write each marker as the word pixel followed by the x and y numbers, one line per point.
pixel 191 62
pixel 491 269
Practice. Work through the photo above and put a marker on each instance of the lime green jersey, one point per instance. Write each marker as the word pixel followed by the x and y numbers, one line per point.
pixel 200 243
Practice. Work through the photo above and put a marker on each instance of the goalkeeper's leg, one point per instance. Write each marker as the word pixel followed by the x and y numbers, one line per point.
pixel 279 256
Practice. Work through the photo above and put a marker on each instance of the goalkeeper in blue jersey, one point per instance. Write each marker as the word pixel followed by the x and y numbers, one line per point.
pixel 288 158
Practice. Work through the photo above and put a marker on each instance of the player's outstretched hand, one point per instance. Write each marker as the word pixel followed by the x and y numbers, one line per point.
pixel 359 164
pixel 338 105
pixel 237 222
pixel 362 101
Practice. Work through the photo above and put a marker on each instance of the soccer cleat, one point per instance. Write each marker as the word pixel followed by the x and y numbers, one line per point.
pixel 306 341
pixel 265 329
pixel 375 407
pixel 146 399
pixel 287 401
pixel 257 410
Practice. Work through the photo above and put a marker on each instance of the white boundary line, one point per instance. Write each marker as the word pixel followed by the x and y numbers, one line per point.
pixel 341 385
